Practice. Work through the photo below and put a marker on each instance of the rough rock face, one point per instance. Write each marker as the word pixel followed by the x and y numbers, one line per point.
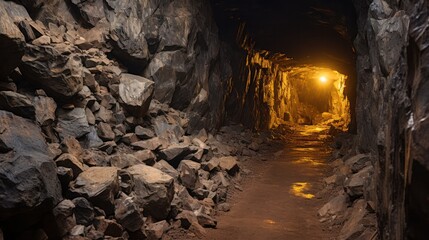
pixel 28 184
pixel 392 112
pixel 59 72
pixel 12 43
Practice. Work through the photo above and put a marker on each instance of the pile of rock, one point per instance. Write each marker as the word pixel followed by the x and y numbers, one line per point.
pixel 352 208
pixel 86 152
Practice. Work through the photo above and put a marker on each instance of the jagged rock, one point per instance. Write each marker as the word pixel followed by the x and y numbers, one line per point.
pixel 64 217
pixel 146 156
pixel 336 205
pixel 108 227
pixel 166 168
pixel 65 175
pixel 105 132
pixel 29 184
pixel 12 44
pixel 91 11
pixel 62 81
pixel 69 161
pixel 124 160
pixel 135 94
pixel 130 138
pixel 128 215
pixel 229 164
pixel 189 221
pixel 355 184
pixel 206 221
pixel 353 227
pixel 211 165
pixel 154 190
pixel 151 144
pixel 156 230
pixel 45 108
pixel 166 69
pixel 357 163
pixel 17 104
pixel 72 146
pixel 144 133
pixel 91 140
pixel 108 147
pixel 43 40
pixel 175 151
pixel 72 123
pixel 188 173
pixel 98 184
pixel 83 211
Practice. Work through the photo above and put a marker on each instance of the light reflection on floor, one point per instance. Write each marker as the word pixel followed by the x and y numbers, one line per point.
pixel 299 188
pixel 307 160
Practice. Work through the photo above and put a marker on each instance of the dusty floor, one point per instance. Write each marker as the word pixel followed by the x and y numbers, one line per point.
pixel 281 201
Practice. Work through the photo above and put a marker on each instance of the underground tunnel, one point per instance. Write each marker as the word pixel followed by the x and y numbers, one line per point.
pixel 213 119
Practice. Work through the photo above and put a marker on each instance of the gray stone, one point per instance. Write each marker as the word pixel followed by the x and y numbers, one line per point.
pixel 135 94
pixel 29 183
pixel 72 123
pixel 98 184
pixel 83 211
pixel 355 184
pixel 174 152
pixel 188 174
pixel 154 190
pixel 128 215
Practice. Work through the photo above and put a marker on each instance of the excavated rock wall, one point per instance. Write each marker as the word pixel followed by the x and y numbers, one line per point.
pixel 392 111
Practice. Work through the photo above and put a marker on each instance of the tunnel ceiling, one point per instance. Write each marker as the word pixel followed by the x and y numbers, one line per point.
pixel 310 31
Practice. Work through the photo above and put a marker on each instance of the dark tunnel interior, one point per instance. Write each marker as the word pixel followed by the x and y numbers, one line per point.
pixel 310 41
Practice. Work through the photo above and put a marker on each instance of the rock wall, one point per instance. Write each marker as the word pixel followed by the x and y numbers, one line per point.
pixel 392 111
pixel 174 43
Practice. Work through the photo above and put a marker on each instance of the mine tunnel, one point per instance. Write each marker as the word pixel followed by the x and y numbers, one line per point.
pixel 214 119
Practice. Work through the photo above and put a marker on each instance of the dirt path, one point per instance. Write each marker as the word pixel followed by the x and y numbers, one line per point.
pixel 280 203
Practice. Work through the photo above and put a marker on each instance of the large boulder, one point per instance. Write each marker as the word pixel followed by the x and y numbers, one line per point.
pixel 166 69
pixel 28 180
pixel 100 185
pixel 154 190
pixel 135 94
pixel 12 43
pixel 55 68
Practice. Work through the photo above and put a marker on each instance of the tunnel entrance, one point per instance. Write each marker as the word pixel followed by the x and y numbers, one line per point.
pixel 295 62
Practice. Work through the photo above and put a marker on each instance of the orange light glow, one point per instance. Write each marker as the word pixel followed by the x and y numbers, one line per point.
pixel 323 79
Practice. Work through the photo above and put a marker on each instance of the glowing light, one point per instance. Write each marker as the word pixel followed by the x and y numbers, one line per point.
pixel 299 188
pixel 323 79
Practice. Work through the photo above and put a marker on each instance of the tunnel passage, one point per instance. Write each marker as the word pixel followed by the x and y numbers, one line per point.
pixel 295 62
